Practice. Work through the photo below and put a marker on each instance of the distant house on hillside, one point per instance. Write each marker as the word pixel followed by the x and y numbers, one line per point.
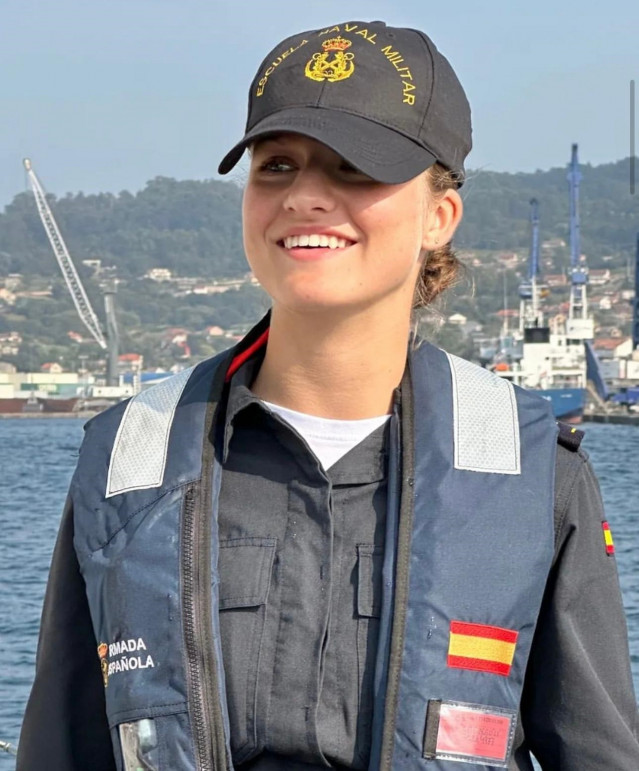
pixel 556 279
pixel 95 265
pixel 158 274
pixel 508 260
pixel 130 361
pixel 613 347
pixel 599 277
pixel 7 296
pixel 13 281
pixel 52 368
pixel 10 343
pixel 175 336
pixel 553 243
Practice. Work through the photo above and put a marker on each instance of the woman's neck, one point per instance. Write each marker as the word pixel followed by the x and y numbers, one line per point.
pixel 344 369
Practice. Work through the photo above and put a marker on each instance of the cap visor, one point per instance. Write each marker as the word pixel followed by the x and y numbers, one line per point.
pixel 380 152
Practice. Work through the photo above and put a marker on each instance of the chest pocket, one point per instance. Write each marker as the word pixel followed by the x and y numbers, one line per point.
pixel 245 568
pixel 370 560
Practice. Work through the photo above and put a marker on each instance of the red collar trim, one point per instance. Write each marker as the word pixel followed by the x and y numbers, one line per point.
pixel 242 356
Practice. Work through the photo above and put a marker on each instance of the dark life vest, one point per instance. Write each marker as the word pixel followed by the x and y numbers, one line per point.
pixel 469 544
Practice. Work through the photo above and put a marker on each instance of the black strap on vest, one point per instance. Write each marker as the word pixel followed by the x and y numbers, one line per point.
pixel 431 729
pixel 569 436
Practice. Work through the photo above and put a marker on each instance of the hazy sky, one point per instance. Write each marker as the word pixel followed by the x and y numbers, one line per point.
pixel 106 95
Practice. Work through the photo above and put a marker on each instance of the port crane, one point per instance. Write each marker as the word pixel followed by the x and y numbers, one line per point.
pixel 110 342
pixel 529 314
pixel 579 325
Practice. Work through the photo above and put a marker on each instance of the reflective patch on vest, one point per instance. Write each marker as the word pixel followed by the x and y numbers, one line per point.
pixel 469 733
pixel 140 449
pixel 486 426
pixel 481 647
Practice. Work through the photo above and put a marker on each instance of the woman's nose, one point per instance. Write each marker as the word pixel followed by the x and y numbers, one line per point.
pixel 311 190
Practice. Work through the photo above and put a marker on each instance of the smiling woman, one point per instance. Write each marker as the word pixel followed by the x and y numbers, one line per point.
pixel 318 232
pixel 336 545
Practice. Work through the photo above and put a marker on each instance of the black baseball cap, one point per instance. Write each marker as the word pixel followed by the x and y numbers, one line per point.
pixel 383 98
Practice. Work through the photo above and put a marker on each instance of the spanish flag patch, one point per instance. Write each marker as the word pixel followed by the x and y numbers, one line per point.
pixel 610 544
pixel 481 647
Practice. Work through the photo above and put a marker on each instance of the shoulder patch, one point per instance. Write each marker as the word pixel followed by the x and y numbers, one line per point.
pixel 609 543
pixel 569 436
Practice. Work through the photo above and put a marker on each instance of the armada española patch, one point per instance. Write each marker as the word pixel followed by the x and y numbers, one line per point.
pixel 123 656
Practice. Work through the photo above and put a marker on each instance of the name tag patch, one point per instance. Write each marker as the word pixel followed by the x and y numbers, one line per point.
pixel 469 733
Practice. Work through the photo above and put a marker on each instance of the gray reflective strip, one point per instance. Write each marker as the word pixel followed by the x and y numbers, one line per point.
pixel 140 448
pixel 486 426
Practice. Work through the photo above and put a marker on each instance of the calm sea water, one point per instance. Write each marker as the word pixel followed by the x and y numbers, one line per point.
pixel 37 458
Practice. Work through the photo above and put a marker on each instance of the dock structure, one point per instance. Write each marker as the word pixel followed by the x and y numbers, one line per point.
pixel 620 418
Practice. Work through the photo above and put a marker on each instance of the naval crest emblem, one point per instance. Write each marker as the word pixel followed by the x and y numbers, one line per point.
pixel 333 63
pixel 103 650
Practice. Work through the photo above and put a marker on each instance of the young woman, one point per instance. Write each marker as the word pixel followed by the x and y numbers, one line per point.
pixel 336 545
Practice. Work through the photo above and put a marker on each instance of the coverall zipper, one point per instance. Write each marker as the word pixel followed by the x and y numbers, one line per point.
pixel 202 681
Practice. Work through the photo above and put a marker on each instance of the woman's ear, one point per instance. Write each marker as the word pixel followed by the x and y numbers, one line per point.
pixel 444 214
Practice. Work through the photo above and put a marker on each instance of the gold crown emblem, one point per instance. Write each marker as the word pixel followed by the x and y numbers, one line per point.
pixel 103 649
pixel 322 67
pixel 336 44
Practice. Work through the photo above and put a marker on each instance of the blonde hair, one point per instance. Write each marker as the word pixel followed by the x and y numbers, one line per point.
pixel 441 268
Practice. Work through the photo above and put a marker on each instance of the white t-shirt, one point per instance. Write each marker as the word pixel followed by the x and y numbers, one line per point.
pixel 328 438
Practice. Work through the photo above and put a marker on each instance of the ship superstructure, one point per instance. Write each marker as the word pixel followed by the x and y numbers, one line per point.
pixel 551 356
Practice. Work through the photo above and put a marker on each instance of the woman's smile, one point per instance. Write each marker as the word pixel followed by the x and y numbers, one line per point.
pixel 316 245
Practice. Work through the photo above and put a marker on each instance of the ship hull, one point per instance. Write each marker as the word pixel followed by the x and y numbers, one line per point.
pixel 20 406
pixel 567 403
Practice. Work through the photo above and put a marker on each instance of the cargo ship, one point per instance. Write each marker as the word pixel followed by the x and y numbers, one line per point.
pixel 38 405
pixel 551 363
pixel 555 359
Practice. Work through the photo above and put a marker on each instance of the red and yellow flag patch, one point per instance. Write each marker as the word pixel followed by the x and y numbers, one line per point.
pixel 610 544
pixel 481 647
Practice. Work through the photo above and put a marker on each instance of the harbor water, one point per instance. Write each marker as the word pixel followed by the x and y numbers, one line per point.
pixel 37 458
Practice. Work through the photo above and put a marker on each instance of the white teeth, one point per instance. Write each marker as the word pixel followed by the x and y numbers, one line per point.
pixel 315 239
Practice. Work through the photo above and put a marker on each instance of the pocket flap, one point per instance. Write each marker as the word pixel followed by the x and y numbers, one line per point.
pixel 245 566
pixel 369 580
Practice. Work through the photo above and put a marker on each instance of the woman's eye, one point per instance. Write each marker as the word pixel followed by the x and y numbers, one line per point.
pixel 276 165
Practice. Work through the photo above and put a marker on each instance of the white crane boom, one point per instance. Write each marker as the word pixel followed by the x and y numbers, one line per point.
pixel 80 299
